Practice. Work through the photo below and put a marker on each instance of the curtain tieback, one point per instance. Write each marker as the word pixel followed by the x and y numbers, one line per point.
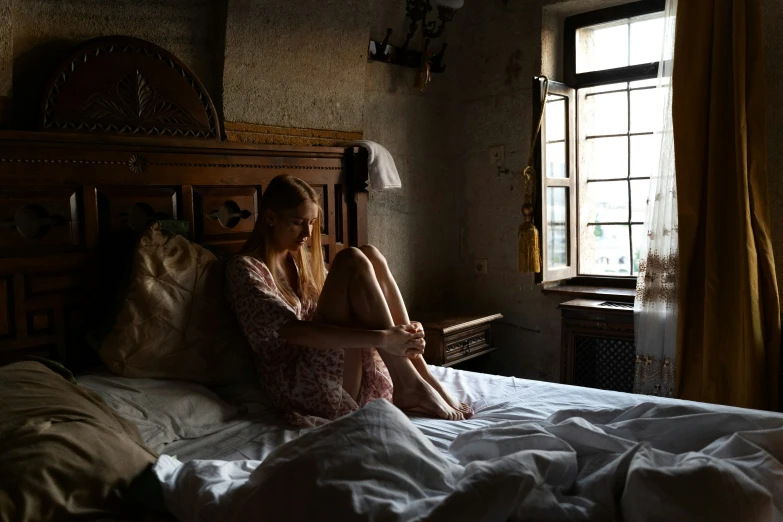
pixel 529 255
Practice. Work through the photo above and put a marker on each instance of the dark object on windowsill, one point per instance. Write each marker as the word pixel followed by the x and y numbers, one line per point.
pixel 383 52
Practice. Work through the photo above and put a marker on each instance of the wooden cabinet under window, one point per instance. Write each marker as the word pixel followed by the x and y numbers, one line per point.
pixel 598 347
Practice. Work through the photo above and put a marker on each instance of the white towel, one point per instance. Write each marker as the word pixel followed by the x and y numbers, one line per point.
pixel 382 173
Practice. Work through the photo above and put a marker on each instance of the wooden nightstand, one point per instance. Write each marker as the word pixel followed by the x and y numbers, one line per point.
pixel 455 339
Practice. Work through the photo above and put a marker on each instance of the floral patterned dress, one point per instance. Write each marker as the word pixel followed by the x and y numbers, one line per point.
pixel 307 383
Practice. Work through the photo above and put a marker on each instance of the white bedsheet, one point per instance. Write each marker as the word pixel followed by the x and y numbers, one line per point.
pixel 649 462
pixel 534 451
pixel 496 399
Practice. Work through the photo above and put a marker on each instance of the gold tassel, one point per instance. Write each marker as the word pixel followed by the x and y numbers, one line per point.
pixel 529 258
pixel 529 254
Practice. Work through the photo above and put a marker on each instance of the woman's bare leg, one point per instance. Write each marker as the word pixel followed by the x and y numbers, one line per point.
pixel 399 315
pixel 352 297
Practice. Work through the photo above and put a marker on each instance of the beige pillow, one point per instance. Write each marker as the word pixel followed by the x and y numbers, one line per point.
pixel 64 453
pixel 175 322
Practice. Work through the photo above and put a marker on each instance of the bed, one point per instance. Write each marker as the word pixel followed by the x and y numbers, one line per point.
pixel 129 138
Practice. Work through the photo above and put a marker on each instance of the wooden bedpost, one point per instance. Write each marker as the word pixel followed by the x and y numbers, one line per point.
pixel 358 171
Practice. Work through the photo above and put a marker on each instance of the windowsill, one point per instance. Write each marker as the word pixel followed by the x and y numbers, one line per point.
pixel 590 291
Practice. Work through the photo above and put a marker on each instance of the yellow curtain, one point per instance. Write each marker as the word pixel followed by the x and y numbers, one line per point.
pixel 728 334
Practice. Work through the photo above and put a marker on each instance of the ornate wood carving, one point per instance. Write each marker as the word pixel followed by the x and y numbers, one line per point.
pixel 135 99
pixel 122 85
pixel 224 215
pixel 139 164
pixel 40 305
pixel 451 340
pixel 229 214
pixel 71 207
pixel 135 208
pixel 34 219
pixel 466 345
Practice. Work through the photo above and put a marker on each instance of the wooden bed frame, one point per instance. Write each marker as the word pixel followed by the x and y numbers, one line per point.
pixel 128 136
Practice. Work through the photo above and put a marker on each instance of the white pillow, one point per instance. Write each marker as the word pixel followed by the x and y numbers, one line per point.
pixel 163 410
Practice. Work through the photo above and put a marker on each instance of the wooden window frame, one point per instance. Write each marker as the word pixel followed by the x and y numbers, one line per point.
pixel 569 182
pixel 573 82
pixel 610 14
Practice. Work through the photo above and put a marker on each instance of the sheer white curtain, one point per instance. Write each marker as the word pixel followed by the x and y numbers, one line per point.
pixel 655 308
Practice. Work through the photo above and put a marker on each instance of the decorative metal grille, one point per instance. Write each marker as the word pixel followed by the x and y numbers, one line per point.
pixel 612 304
pixel 604 363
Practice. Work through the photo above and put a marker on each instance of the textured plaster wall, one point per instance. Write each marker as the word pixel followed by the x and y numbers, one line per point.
pixel 306 66
pixel 500 51
pixel 417 227
pixel 43 30
pixel 295 64
pixel 501 48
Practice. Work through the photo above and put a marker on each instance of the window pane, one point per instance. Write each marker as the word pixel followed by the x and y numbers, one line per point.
pixel 604 201
pixel 639 233
pixel 621 43
pixel 555 118
pixel 646 111
pixel 605 250
pixel 557 227
pixel 604 158
pixel 644 155
pixel 646 38
pixel 603 46
pixel 601 114
pixel 556 160
pixel 640 191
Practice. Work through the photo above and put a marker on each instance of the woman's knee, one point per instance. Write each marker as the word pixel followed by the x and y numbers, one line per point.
pixel 373 254
pixel 353 257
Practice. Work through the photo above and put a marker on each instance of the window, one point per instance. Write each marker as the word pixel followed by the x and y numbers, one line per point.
pixel 599 144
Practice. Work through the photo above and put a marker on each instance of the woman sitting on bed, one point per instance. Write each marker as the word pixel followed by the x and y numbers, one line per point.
pixel 325 345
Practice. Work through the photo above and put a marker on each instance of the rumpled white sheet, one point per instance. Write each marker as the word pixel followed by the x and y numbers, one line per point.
pixel 652 461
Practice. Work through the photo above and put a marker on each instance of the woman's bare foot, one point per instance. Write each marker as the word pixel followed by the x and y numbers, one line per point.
pixel 421 366
pixel 419 396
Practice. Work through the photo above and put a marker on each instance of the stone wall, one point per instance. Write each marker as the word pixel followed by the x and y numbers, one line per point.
pixel 280 64
pixel 44 30
pixel 417 227
pixel 296 64
pixel 304 64
pixel 502 46
pixel 500 52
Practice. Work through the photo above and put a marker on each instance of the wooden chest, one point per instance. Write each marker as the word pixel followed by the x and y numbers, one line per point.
pixel 454 339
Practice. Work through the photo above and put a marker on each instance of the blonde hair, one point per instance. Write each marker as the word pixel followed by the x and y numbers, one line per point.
pixel 286 193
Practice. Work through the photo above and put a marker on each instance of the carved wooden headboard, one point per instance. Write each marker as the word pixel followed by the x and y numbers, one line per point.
pixel 72 202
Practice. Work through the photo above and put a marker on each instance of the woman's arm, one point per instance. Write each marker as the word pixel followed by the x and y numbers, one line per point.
pixel 398 340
